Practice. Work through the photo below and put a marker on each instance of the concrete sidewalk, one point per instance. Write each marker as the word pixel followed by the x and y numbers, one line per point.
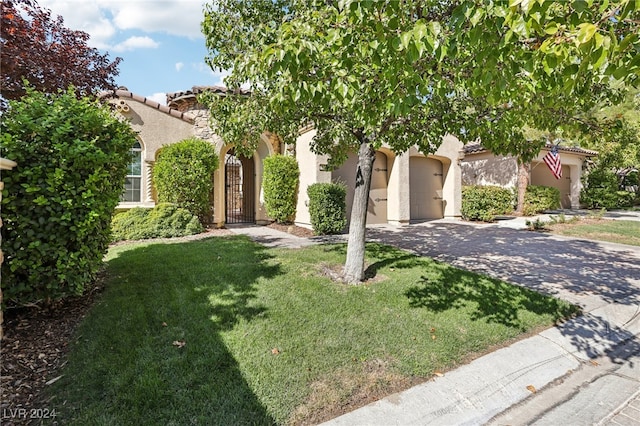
pixel 585 371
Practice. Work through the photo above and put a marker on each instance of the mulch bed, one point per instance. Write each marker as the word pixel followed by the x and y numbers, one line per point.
pixel 36 341
pixel 298 231
pixel 34 346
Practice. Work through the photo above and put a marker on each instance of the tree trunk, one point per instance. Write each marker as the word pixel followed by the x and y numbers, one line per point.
pixel 523 182
pixel 354 265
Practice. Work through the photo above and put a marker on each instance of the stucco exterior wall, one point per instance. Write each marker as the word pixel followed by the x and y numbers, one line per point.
pixel 575 164
pixel 488 169
pixel 485 168
pixel 450 154
pixel 159 125
pixel 397 196
pixel 310 165
pixel 155 129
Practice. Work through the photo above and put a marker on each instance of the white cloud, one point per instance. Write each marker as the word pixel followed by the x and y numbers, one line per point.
pixel 85 16
pixel 136 42
pixel 103 18
pixel 161 98
pixel 176 17
pixel 179 66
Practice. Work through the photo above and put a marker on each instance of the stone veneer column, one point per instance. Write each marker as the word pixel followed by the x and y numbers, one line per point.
pixel 4 165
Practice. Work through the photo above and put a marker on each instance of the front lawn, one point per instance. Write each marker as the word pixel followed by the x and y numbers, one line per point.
pixel 615 231
pixel 225 331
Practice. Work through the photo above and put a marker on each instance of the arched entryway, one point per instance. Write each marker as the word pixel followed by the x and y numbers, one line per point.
pixel 239 181
pixel 425 182
pixel 541 175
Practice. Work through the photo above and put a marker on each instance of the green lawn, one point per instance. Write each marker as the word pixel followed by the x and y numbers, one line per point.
pixel 268 339
pixel 615 231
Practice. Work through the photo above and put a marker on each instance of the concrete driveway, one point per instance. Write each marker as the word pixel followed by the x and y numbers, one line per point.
pixel 588 273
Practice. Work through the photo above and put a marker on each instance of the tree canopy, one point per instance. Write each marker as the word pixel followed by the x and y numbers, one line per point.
pixel 38 48
pixel 367 73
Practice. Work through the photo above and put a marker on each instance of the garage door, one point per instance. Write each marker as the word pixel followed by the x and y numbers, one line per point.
pixel 425 181
pixel 377 207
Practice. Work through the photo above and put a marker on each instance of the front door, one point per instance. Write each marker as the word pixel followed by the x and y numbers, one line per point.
pixel 240 189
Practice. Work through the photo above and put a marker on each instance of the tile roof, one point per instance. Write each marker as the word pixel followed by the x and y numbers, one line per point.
pixel 124 93
pixel 476 148
pixel 196 90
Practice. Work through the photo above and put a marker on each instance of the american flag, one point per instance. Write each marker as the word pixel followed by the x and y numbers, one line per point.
pixel 552 159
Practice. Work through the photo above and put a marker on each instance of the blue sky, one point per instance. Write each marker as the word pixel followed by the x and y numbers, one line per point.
pixel 159 41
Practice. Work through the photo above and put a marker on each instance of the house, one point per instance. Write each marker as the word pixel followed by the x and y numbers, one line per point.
pixel 481 167
pixel 405 187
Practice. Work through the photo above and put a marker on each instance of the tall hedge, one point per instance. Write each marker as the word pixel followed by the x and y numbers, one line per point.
pixel 183 175
pixel 280 184
pixel 485 202
pixel 57 204
pixel 327 207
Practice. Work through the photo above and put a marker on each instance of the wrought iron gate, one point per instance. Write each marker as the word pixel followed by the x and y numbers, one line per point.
pixel 240 193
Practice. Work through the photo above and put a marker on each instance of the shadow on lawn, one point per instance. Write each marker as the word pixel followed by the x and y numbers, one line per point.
pixel 589 274
pixel 488 299
pixel 168 294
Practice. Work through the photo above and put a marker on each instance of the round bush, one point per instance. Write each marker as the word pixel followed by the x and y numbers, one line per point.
pixel 327 207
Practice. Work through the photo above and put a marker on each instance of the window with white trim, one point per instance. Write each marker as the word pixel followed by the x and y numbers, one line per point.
pixel 133 182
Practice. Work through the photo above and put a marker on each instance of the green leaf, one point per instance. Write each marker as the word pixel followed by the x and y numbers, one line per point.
pixel 405 39
pixel 551 28
pixel 519 26
pixel 580 5
pixel 586 31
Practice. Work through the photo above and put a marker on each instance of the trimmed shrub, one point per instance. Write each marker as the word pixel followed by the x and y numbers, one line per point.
pixel 183 175
pixel 163 221
pixel 280 184
pixel 540 198
pixel 327 207
pixel 486 202
pixel 57 204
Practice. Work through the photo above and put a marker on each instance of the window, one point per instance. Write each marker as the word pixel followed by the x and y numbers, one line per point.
pixel 133 182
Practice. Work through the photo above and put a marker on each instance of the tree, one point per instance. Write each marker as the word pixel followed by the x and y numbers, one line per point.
pixel 407 73
pixel 39 49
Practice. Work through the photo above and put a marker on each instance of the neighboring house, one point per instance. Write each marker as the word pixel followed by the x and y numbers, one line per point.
pixel 481 167
pixel 406 187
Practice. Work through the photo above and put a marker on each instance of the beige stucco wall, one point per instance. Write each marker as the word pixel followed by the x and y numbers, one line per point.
pixel 310 173
pixel 484 168
pixel 155 129
pixel 398 192
pixel 572 161
pixel 450 154
pixel 487 169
